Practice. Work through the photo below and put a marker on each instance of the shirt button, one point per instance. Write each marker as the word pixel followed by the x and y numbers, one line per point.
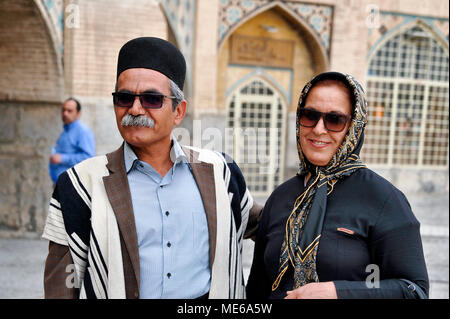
pixel 167 213
pixel 169 275
pixel 169 244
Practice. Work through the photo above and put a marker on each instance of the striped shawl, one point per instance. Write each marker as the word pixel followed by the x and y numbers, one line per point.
pixel 83 218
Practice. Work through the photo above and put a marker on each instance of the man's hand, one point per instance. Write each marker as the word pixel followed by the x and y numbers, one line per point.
pixel 314 290
pixel 55 159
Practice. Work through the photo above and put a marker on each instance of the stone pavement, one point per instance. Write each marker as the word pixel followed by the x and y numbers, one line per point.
pixel 22 260
pixel 433 213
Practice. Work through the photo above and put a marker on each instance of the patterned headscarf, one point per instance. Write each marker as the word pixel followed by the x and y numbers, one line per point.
pixel 300 244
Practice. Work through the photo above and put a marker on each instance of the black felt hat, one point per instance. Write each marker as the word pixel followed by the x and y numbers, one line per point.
pixel 153 53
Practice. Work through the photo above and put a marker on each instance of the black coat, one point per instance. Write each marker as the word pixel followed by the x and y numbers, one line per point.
pixel 382 232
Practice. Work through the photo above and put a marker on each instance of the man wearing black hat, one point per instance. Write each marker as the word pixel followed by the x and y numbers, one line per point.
pixel 153 219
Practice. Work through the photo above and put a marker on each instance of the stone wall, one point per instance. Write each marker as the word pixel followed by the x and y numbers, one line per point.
pixel 28 130
pixel 31 89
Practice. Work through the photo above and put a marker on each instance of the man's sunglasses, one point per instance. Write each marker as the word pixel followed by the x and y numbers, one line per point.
pixel 333 121
pixel 148 100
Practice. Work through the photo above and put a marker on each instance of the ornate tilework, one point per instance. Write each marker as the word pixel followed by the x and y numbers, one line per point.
pixel 181 16
pixel 318 17
pixel 389 22
pixel 55 11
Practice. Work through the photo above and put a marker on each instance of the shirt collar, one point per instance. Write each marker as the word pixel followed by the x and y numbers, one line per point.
pixel 70 125
pixel 129 157
pixel 176 154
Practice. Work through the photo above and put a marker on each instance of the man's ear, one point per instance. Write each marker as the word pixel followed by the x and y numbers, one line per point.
pixel 180 112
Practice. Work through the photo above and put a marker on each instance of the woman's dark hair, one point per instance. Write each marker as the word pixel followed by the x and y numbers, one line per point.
pixel 76 101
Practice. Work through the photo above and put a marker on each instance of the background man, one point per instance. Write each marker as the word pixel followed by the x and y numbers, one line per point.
pixel 75 144
pixel 153 219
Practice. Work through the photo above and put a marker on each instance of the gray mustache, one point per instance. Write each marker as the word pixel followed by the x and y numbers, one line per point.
pixel 140 120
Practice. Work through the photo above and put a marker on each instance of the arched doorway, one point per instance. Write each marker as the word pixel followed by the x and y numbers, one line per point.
pixel 257 114
pixel 292 54
pixel 263 62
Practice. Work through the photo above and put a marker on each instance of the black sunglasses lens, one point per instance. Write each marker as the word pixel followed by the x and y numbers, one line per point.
pixel 152 101
pixel 335 122
pixel 123 99
pixel 309 118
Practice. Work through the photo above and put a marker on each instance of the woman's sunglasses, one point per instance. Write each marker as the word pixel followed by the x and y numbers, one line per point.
pixel 148 100
pixel 333 121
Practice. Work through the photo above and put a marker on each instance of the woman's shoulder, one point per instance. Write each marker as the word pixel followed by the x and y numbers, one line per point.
pixel 286 191
pixel 294 180
pixel 292 185
pixel 392 201
pixel 366 179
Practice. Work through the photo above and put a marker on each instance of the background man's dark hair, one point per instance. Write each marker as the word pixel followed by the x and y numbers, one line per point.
pixel 76 101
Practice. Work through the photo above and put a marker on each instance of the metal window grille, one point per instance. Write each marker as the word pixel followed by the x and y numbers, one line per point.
pixel 257 115
pixel 408 97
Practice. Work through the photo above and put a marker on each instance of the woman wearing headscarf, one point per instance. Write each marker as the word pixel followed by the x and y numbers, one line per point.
pixel 336 229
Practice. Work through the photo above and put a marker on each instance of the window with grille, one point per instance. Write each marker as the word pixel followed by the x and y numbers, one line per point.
pixel 408 97
pixel 257 117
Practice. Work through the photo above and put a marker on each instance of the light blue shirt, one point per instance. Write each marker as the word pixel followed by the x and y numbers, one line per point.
pixel 171 227
pixel 75 144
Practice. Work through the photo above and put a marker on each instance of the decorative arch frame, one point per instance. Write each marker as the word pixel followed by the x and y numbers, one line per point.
pixel 260 73
pixel 181 22
pixel 310 33
pixel 402 28
pixel 177 40
pixel 55 38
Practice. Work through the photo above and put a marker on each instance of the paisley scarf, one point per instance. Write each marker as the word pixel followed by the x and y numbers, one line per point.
pixel 304 225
